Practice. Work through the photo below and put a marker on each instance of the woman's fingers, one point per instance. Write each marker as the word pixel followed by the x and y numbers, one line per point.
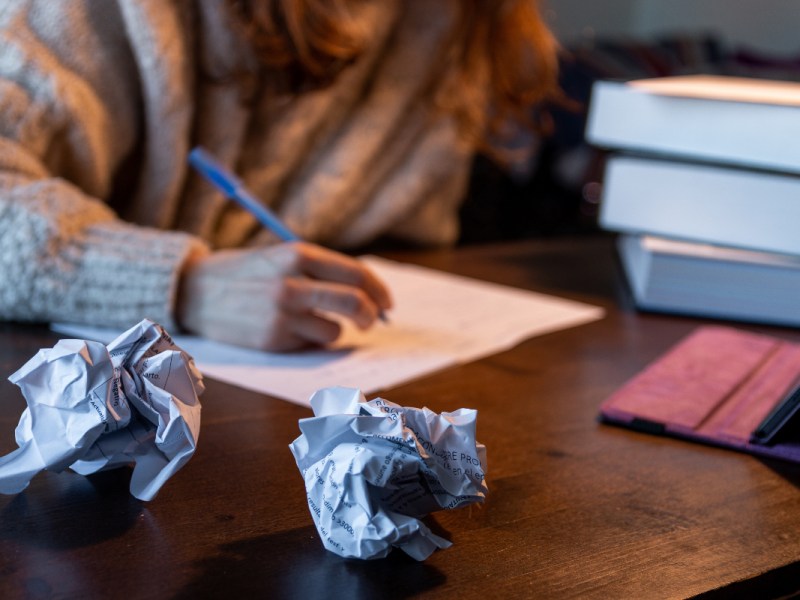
pixel 322 264
pixel 285 333
pixel 313 329
pixel 301 295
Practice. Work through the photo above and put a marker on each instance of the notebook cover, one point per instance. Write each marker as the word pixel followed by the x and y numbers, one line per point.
pixel 715 386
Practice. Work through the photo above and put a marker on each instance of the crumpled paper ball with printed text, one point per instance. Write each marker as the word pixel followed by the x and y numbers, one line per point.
pixel 94 407
pixel 373 469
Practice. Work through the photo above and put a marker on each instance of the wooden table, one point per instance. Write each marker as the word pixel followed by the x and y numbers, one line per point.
pixel 575 509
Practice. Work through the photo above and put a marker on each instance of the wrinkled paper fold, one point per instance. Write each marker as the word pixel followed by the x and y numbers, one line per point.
pixel 94 407
pixel 373 469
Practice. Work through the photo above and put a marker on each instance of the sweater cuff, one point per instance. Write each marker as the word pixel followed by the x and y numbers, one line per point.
pixel 116 274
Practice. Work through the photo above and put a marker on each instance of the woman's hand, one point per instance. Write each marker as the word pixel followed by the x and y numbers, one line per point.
pixel 275 298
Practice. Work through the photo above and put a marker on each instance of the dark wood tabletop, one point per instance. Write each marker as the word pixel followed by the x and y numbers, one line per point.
pixel 575 508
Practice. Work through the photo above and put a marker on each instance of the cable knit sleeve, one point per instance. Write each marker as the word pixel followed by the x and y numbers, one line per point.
pixel 68 119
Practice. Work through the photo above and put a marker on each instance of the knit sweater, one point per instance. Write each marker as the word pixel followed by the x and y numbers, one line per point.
pixel 101 100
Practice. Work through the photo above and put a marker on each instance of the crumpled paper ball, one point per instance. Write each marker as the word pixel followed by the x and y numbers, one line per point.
pixel 94 407
pixel 373 469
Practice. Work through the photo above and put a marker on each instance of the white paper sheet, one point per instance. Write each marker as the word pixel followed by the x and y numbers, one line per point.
pixel 92 407
pixel 373 469
pixel 439 320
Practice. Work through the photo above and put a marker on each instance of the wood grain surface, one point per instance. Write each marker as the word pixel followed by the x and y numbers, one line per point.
pixel 575 508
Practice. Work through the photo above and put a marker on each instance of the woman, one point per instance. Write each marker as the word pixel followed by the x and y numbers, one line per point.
pixel 352 119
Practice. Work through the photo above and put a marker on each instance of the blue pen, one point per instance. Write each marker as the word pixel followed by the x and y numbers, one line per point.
pixel 234 189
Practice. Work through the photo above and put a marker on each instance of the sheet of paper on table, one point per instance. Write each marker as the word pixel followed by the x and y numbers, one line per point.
pixel 439 320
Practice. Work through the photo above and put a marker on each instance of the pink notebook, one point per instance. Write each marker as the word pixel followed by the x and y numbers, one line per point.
pixel 719 386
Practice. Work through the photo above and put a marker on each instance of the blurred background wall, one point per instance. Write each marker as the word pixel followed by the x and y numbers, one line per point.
pixel 767 25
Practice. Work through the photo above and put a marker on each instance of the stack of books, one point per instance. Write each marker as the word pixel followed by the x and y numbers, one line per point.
pixel 702 181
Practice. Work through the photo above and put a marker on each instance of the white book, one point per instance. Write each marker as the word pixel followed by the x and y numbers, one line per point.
pixel 711 281
pixel 698 202
pixel 732 120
